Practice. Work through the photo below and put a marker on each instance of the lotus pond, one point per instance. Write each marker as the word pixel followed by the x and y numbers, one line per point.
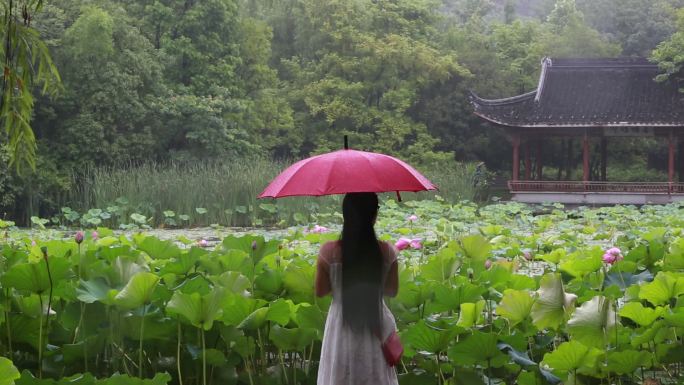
pixel 497 294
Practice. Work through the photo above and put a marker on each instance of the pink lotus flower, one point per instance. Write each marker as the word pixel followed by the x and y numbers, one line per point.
pixel 33 243
pixel 403 243
pixel 319 229
pixel 527 255
pixel 95 235
pixel 612 256
pixel 416 244
pixel 412 218
pixel 254 245
pixel 203 243
pixel 79 237
pixel 488 264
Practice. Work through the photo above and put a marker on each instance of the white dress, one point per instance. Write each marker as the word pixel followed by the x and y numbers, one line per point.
pixel 349 358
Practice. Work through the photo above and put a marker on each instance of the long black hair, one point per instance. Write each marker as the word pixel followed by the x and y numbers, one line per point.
pixel 361 263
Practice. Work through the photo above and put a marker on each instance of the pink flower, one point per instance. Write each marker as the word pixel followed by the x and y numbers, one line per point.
pixel 612 255
pixel 203 243
pixel 416 244
pixel 402 243
pixel 412 218
pixel 527 255
pixel 33 243
pixel 95 235
pixel 488 264
pixel 319 229
pixel 79 237
pixel 254 245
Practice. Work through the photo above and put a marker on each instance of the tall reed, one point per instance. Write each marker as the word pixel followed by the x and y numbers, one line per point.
pixel 226 189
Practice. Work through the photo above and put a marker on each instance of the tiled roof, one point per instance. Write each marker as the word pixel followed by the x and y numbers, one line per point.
pixel 588 93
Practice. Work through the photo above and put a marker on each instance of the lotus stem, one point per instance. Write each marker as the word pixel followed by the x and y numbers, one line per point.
pixel 204 359
pixel 40 339
pixel 8 304
pixel 140 352
pixel 178 356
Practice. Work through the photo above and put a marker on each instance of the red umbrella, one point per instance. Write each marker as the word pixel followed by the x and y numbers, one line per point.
pixel 346 171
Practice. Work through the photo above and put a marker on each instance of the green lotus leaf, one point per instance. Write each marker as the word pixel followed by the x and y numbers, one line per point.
pixel 478 349
pixel 299 281
pixel 449 298
pixel 255 320
pixel 665 286
pixel 199 311
pixel 95 290
pixel 231 260
pixel 628 361
pixel 475 247
pixel 676 318
pixel 123 379
pixel 422 337
pixel 579 265
pixel 279 311
pixel 8 372
pixel 441 266
pixel 234 282
pixel 269 281
pixel 554 256
pixel 295 339
pixel 34 276
pixel 643 316
pixel 138 291
pixel 572 356
pixel 591 322
pixel 237 308
pixel 310 317
pixel 515 306
pixel 159 249
pixel 184 262
pixel 245 243
pixel 470 314
pixel 553 304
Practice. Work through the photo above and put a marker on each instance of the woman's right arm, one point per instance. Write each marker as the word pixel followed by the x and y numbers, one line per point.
pixel 322 285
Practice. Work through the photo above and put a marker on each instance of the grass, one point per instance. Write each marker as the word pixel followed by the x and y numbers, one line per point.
pixel 226 190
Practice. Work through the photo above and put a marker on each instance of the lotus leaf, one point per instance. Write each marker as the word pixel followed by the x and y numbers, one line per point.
pixel 553 305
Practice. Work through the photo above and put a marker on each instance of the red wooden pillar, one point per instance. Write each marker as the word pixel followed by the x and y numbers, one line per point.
pixel 516 156
pixel 528 161
pixel 538 158
pixel 585 158
pixel 671 157
pixel 604 158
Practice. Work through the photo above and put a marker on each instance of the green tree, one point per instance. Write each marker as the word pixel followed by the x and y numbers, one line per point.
pixel 27 63
pixel 670 54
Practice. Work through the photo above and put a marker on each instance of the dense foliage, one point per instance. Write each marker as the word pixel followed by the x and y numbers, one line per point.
pixel 498 294
pixel 184 80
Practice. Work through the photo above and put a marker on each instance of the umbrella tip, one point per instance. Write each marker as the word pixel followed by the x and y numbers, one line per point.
pixel 346 142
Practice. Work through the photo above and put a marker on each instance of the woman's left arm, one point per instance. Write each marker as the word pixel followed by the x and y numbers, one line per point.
pixel 392 281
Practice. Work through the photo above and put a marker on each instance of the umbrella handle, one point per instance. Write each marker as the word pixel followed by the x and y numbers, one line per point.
pixel 398 197
pixel 346 142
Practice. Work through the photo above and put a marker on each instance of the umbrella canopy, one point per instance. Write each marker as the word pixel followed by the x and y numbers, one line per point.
pixel 346 171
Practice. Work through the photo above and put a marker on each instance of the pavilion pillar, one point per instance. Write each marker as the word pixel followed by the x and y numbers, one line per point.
pixel 528 161
pixel 538 158
pixel 585 158
pixel 516 156
pixel 671 157
pixel 680 160
pixel 604 158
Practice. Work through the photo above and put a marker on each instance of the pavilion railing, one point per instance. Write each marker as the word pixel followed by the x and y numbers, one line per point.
pixel 593 186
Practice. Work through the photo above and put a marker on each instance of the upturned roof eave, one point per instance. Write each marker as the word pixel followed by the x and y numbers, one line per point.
pixel 580 125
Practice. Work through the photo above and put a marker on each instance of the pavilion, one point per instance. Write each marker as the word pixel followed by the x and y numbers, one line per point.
pixel 592 100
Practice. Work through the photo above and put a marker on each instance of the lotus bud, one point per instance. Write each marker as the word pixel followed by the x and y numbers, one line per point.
pixel 33 243
pixel 402 243
pixel 254 245
pixel 488 264
pixel 203 243
pixel 79 237
pixel 470 273
pixel 528 255
pixel 95 235
pixel 44 250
